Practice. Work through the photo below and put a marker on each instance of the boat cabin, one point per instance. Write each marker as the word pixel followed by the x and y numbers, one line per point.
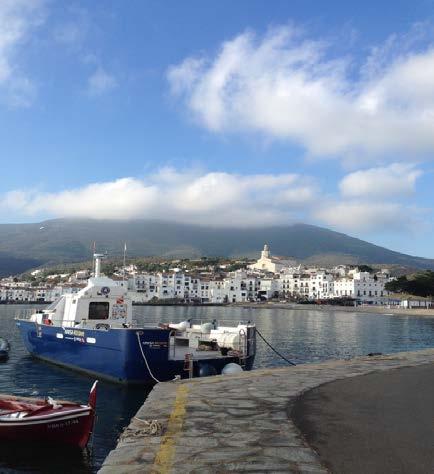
pixel 102 304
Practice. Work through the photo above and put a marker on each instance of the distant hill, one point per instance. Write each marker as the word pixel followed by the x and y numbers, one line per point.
pixel 24 246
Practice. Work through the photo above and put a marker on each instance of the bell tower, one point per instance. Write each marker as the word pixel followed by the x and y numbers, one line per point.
pixel 266 252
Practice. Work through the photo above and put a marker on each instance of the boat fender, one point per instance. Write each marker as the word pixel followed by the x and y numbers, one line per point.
pixel 206 370
pixel 206 328
pixel 180 326
pixel 231 369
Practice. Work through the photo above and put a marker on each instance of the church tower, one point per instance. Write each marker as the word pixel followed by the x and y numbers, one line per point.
pixel 266 252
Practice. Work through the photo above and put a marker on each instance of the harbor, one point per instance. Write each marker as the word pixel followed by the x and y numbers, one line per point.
pixel 244 423
pixel 216 237
pixel 306 336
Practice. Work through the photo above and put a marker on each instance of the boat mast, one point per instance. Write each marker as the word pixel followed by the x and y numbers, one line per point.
pixel 123 269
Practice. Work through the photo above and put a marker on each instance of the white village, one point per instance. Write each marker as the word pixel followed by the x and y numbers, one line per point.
pixel 269 278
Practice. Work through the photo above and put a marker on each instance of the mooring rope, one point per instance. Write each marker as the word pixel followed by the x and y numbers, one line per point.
pixel 151 427
pixel 144 358
pixel 273 349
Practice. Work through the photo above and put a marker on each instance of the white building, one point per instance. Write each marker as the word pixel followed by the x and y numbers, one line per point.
pixel 24 294
pixel 272 264
pixel 236 287
pixel 362 286
pixel 304 284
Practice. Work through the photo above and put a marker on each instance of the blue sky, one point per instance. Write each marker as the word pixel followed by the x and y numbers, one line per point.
pixel 223 113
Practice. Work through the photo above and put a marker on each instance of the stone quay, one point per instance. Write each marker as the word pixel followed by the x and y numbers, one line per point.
pixel 235 423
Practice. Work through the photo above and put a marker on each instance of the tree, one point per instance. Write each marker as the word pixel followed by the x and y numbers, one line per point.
pixel 365 268
pixel 419 284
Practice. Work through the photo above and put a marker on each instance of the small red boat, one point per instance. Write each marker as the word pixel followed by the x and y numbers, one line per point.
pixel 46 420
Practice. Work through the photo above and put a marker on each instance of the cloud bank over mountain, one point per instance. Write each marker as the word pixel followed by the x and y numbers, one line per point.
pixel 233 200
pixel 219 199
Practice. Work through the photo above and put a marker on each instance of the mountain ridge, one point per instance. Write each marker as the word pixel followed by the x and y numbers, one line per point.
pixel 70 240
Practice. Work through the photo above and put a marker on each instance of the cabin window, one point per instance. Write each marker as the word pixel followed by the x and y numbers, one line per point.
pixel 99 310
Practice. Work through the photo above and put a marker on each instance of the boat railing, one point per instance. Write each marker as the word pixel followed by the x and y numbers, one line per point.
pixel 27 313
pixel 50 319
pixel 221 322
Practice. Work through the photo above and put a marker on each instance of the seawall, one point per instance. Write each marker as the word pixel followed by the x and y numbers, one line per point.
pixel 235 423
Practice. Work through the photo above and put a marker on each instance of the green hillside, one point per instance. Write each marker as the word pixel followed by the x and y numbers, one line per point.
pixel 69 240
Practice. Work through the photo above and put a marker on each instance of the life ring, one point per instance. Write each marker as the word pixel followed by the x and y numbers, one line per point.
pixel 48 322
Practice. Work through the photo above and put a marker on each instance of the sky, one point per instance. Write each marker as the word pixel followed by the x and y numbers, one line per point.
pixel 222 113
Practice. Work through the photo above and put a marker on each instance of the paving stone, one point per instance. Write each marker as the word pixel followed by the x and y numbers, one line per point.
pixel 286 440
pixel 295 454
pixel 266 465
pixel 124 469
pixel 240 412
pixel 227 454
pixel 240 423
pixel 125 455
pixel 311 469
pixel 197 442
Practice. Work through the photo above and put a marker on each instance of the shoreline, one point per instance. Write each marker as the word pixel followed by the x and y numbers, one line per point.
pixel 415 312
pixel 425 313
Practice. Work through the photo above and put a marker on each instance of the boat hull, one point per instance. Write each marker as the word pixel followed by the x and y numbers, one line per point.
pixel 71 428
pixel 113 354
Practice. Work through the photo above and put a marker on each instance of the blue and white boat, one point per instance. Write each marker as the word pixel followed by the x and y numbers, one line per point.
pixel 93 331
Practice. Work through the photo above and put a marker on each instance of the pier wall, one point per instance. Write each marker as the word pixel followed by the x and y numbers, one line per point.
pixel 237 423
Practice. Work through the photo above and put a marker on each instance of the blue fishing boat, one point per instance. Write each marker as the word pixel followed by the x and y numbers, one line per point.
pixel 93 331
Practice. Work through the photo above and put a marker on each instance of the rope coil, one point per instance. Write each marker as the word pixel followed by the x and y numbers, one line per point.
pixel 151 428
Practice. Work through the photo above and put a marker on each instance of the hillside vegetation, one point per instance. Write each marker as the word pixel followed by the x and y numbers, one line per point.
pixel 419 284
pixel 71 240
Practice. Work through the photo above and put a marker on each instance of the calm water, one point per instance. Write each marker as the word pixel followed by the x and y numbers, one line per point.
pixel 303 335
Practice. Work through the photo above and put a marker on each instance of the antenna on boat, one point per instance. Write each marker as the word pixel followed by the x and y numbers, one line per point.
pixel 125 255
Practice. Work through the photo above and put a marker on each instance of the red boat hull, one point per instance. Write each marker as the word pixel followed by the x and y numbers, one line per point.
pixel 28 420
pixel 67 427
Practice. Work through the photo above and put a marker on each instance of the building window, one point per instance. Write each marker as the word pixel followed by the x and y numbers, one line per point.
pixel 99 310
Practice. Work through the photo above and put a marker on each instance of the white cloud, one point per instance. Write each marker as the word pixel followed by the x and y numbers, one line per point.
pixel 287 87
pixel 100 82
pixel 17 20
pixel 394 180
pixel 216 199
pixel 364 217
pixel 371 200
pixel 219 199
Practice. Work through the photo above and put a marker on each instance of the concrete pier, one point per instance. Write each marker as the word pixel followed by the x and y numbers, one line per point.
pixel 237 423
